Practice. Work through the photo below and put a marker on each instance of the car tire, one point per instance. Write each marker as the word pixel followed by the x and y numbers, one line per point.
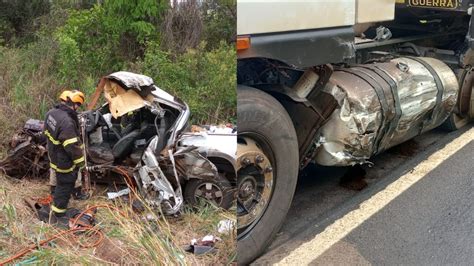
pixel 225 188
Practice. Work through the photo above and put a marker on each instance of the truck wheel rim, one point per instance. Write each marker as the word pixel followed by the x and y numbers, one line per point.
pixel 255 181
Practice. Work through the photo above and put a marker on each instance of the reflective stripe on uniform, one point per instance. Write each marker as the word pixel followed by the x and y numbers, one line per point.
pixel 79 160
pixel 57 210
pixel 63 171
pixel 70 141
pixel 54 141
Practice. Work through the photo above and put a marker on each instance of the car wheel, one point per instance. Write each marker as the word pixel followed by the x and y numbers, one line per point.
pixel 219 192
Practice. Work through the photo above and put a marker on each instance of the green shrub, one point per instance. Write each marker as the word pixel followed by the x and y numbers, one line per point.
pixel 69 58
pixel 20 16
pixel 219 18
pixel 204 79
pixel 85 47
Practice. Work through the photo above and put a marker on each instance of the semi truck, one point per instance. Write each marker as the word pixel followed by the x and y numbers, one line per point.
pixel 336 83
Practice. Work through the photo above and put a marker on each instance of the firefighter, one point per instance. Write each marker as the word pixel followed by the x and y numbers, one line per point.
pixel 77 193
pixel 64 147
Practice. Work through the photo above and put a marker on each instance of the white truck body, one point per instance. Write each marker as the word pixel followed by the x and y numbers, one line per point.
pixel 267 16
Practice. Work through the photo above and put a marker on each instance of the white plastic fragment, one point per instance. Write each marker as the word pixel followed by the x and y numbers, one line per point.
pixel 225 226
pixel 113 195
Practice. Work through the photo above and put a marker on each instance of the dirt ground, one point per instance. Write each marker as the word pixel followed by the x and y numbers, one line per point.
pixel 129 238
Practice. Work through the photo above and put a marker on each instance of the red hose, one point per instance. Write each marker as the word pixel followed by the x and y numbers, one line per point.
pixel 96 232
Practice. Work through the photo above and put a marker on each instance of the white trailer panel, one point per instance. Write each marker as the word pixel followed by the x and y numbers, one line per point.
pixel 375 10
pixel 265 16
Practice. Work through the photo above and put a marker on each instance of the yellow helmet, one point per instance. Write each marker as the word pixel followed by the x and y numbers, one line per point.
pixel 77 97
pixel 64 95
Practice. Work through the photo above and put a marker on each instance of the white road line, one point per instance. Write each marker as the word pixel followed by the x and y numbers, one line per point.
pixel 309 251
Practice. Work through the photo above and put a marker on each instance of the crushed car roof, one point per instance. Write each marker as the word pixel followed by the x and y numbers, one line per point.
pixel 131 80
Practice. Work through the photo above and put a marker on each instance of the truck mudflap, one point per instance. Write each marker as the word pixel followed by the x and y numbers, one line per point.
pixel 382 105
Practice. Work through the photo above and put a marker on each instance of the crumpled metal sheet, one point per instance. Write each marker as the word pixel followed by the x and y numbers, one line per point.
pixel 361 128
pixel 131 80
pixel 191 164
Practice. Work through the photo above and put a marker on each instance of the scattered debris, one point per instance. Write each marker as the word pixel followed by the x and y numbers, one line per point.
pixel 137 206
pixel 225 226
pixel 203 246
pixel 150 217
pixel 113 195
pixel 199 250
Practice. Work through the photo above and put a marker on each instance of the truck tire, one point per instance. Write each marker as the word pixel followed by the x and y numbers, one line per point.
pixel 454 122
pixel 264 123
pixel 466 82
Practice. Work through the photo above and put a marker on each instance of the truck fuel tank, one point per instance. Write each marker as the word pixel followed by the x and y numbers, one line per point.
pixel 384 104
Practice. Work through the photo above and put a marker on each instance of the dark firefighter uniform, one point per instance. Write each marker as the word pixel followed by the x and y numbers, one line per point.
pixel 65 152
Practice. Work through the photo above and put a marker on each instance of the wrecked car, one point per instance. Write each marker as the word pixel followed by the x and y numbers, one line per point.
pixel 138 137
pixel 27 154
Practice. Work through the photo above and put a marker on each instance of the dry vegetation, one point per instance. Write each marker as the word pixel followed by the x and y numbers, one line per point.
pixel 129 239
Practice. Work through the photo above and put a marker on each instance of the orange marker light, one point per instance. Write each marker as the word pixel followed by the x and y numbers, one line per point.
pixel 243 43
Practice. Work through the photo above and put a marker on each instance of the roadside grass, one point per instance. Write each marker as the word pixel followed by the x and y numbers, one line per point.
pixel 147 238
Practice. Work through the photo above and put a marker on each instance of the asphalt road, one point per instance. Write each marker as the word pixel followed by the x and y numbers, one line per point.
pixel 430 223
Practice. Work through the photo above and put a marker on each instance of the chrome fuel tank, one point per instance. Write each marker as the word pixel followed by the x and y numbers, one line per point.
pixel 384 104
